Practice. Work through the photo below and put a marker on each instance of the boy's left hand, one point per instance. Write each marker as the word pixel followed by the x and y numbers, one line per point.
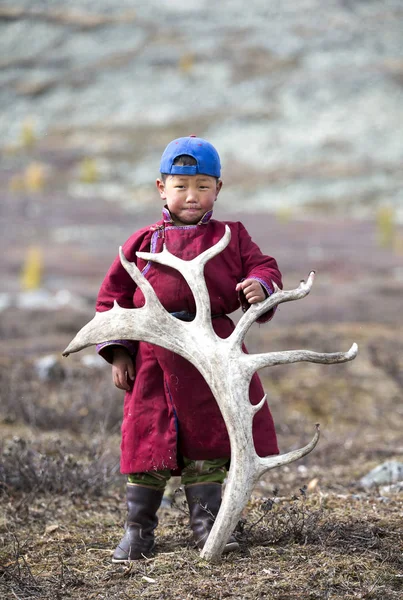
pixel 252 289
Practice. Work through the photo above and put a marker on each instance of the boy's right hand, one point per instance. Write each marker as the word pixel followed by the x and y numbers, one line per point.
pixel 123 373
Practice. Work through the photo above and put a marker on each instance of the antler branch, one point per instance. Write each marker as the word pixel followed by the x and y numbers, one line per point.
pixel 271 359
pixel 270 462
pixel 192 271
pixel 278 297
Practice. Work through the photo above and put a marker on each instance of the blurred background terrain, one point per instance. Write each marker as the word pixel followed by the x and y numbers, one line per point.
pixel 304 102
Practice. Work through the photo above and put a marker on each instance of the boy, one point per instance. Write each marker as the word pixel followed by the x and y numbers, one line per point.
pixel 172 423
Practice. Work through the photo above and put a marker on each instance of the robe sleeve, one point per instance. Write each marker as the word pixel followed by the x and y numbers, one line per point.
pixel 119 286
pixel 259 266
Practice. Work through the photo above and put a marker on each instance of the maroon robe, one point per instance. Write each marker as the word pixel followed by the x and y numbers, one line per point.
pixel 170 411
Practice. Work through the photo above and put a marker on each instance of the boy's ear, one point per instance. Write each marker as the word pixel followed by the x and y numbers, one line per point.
pixel 161 188
pixel 219 186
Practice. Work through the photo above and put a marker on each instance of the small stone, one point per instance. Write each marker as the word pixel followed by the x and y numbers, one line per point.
pixel 48 368
pixel 51 529
pixel 313 484
pixel 389 472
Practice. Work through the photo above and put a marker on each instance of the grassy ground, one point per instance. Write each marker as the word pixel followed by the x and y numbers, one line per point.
pixel 309 530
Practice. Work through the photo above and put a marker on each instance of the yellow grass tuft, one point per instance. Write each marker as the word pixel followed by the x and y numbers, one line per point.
pixel 28 134
pixel 186 62
pixel 31 275
pixel 35 177
pixel 89 171
pixel 386 226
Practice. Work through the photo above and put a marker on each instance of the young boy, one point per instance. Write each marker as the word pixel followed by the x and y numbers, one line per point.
pixel 172 423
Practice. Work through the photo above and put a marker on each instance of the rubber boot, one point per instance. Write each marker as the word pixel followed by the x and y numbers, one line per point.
pixel 138 540
pixel 204 500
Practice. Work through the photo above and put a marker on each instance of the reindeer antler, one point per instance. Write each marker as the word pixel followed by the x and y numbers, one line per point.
pixel 222 362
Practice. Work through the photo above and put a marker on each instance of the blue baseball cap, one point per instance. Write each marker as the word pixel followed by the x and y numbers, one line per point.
pixel 206 156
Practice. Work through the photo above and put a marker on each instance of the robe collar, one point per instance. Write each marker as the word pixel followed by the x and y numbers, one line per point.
pixel 167 218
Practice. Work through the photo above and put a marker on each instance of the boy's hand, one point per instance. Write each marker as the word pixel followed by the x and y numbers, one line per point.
pixel 252 289
pixel 123 373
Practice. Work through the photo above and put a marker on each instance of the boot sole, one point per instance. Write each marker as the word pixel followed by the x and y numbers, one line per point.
pixel 142 556
pixel 120 561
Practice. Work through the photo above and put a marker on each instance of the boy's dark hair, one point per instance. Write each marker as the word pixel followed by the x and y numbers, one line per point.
pixel 184 160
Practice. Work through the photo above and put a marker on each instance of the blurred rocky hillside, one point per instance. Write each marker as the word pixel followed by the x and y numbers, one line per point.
pixel 303 99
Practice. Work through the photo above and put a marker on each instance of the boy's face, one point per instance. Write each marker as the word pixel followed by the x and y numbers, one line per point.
pixel 189 197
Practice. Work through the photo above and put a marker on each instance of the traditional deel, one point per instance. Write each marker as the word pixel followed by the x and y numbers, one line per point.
pixel 170 411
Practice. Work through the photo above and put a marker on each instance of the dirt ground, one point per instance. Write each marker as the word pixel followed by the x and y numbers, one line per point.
pixel 310 529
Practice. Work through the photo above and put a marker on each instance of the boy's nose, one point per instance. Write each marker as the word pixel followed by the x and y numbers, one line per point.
pixel 191 196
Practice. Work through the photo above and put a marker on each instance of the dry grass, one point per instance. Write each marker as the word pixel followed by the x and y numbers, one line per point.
pixel 345 551
pixel 317 536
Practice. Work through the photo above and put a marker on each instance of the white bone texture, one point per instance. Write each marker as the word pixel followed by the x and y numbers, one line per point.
pixel 222 362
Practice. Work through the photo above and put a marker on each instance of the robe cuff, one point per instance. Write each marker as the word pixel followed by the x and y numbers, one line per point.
pixel 105 349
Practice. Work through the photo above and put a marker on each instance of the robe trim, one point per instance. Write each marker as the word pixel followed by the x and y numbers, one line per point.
pixel 167 217
pixel 269 290
pixel 264 285
pixel 129 345
pixel 153 248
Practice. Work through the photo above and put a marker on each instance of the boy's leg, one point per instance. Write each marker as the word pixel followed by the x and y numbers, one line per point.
pixel 144 493
pixel 203 483
pixel 204 471
pixel 153 479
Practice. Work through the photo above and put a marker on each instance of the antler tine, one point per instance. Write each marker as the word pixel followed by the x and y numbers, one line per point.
pixel 170 260
pixel 192 271
pixel 271 462
pixel 258 309
pixel 271 359
pixel 257 407
pixel 205 256
pixel 139 278
pixel 103 325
